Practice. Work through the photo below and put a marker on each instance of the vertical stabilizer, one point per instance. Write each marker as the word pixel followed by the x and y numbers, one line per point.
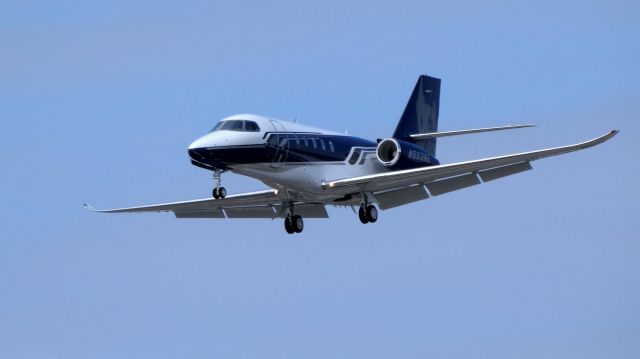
pixel 421 114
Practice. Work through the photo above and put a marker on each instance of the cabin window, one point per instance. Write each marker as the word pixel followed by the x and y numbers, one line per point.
pixel 331 146
pixel 324 148
pixel 313 140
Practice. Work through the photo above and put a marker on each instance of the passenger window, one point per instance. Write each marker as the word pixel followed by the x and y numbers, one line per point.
pixel 331 146
pixel 322 145
pixel 313 140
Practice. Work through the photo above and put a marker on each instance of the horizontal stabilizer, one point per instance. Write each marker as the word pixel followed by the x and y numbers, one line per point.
pixel 420 136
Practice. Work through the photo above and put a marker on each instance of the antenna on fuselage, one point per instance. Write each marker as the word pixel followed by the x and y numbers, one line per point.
pixel 295 119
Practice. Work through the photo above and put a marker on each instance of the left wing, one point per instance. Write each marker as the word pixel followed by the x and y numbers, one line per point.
pixel 261 204
pixel 446 178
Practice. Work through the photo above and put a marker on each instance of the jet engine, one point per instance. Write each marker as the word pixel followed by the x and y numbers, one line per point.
pixel 399 154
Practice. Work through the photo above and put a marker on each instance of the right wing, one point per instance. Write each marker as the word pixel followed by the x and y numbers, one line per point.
pixel 261 204
pixel 445 178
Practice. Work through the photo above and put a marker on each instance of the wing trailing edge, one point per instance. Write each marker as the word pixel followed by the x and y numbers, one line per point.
pixel 262 204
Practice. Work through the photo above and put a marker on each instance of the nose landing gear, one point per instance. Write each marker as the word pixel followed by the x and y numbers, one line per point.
pixel 218 192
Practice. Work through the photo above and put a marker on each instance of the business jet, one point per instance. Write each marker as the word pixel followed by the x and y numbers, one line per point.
pixel 307 169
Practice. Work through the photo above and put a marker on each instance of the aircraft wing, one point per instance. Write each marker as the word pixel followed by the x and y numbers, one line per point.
pixel 405 186
pixel 261 204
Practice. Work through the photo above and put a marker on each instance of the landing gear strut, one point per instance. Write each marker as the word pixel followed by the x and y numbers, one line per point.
pixel 218 190
pixel 368 213
pixel 293 223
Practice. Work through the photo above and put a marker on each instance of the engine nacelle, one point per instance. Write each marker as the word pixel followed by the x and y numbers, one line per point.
pixel 400 154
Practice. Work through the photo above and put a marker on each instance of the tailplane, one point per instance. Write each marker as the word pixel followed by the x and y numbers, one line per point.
pixel 421 114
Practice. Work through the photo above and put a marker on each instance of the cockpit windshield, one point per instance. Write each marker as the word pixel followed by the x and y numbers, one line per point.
pixel 237 125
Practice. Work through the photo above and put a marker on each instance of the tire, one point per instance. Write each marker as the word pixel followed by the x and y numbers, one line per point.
pixel 372 213
pixel 298 223
pixel 222 192
pixel 288 226
pixel 362 214
pixel 215 194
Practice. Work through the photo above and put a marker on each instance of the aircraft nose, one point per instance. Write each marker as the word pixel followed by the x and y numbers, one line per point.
pixel 195 145
pixel 203 142
pixel 196 149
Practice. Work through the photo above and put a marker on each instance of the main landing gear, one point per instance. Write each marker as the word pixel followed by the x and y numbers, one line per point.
pixel 368 213
pixel 218 190
pixel 293 223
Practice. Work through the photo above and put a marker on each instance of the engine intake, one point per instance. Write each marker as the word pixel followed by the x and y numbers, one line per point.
pixel 388 152
pixel 401 154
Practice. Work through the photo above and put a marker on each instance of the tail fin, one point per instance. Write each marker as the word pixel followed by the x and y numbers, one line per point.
pixel 421 114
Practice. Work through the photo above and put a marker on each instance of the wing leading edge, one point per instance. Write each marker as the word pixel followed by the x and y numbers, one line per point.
pixel 444 178
pixel 419 136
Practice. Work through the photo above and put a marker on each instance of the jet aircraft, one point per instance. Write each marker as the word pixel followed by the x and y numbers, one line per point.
pixel 307 168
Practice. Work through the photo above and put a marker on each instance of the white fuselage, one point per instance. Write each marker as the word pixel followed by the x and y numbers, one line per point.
pixel 285 155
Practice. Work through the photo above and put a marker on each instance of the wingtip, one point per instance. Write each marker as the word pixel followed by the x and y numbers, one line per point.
pixel 88 207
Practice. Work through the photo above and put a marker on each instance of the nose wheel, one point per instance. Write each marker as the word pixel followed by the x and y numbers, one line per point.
pixel 368 214
pixel 218 192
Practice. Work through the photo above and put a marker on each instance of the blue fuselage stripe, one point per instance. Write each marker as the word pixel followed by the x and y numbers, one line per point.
pixel 283 147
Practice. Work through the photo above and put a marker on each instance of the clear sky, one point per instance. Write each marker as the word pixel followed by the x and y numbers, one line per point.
pixel 99 100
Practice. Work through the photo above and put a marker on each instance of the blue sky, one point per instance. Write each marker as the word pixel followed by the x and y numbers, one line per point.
pixel 99 100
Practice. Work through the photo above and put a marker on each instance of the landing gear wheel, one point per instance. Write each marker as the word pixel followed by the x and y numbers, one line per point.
pixel 298 223
pixel 219 192
pixel 372 213
pixel 362 214
pixel 288 226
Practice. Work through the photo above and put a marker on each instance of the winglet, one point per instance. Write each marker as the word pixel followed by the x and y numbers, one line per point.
pixel 88 206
